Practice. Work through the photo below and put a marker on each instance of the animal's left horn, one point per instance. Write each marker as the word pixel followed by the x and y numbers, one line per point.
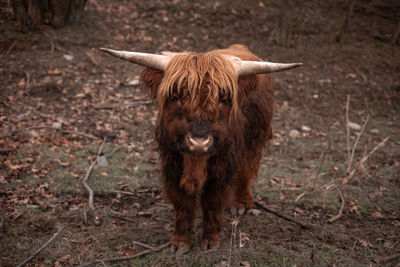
pixel 256 67
pixel 153 61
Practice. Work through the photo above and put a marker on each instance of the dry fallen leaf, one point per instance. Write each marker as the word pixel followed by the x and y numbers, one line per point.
pixel 130 250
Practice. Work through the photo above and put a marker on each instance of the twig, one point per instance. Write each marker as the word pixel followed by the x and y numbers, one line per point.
pixel 78 133
pixel 123 192
pixel 349 11
pixel 355 144
pixel 142 244
pixel 87 187
pixel 145 252
pixel 53 128
pixel 11 47
pixel 37 252
pixel 120 105
pixel 84 214
pixel 396 34
pixel 233 239
pixel 388 258
pixel 348 132
pixel 27 83
pixel 374 149
pixel 300 196
pixel 112 152
pixel 283 216
pixel 359 165
pixel 284 189
pixel 335 218
pixel 322 159
pixel 124 218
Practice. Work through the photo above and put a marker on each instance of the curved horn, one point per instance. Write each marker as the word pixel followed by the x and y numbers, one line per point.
pixel 256 67
pixel 153 61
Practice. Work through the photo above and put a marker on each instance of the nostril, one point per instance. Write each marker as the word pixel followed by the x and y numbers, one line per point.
pixel 200 141
pixel 198 144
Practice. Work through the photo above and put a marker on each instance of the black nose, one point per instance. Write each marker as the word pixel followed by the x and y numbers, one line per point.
pixel 200 128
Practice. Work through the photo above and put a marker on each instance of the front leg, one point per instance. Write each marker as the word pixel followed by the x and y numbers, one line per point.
pixel 184 216
pixel 213 202
pixel 185 211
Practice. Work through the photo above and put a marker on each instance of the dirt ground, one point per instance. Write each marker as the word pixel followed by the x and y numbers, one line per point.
pixel 60 97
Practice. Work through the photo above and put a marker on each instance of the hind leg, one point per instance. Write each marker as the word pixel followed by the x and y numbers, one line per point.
pixel 242 195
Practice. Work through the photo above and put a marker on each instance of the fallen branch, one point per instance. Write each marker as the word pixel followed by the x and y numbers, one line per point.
pixel 283 216
pixel 335 218
pixel 145 252
pixel 87 187
pixel 37 252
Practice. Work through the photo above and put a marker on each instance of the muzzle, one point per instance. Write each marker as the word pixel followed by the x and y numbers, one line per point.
pixel 198 140
pixel 198 145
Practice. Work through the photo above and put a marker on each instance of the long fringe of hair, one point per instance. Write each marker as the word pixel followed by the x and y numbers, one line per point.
pixel 196 71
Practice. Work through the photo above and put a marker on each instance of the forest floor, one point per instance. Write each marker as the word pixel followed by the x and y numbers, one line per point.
pixel 61 98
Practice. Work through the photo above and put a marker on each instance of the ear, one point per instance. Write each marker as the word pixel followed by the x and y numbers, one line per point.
pixel 248 83
pixel 150 80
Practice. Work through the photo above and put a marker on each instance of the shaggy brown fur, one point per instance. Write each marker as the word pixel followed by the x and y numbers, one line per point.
pixel 203 76
pixel 200 96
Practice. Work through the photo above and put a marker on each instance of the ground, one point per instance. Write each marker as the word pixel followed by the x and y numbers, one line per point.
pixel 60 97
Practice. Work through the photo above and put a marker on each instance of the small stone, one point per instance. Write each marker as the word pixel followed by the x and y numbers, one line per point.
pixel 102 161
pixel 68 57
pixel 354 126
pixel 294 134
pixel 56 125
pixel 375 131
pixel 134 81
pixel 305 128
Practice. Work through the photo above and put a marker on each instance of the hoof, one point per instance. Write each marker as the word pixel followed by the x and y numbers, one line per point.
pixel 211 244
pixel 238 211
pixel 180 249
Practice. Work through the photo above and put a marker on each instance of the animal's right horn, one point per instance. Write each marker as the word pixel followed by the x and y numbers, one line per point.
pixel 158 62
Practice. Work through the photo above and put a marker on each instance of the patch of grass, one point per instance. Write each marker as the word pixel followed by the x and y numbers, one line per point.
pixel 65 183
pixel 271 258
